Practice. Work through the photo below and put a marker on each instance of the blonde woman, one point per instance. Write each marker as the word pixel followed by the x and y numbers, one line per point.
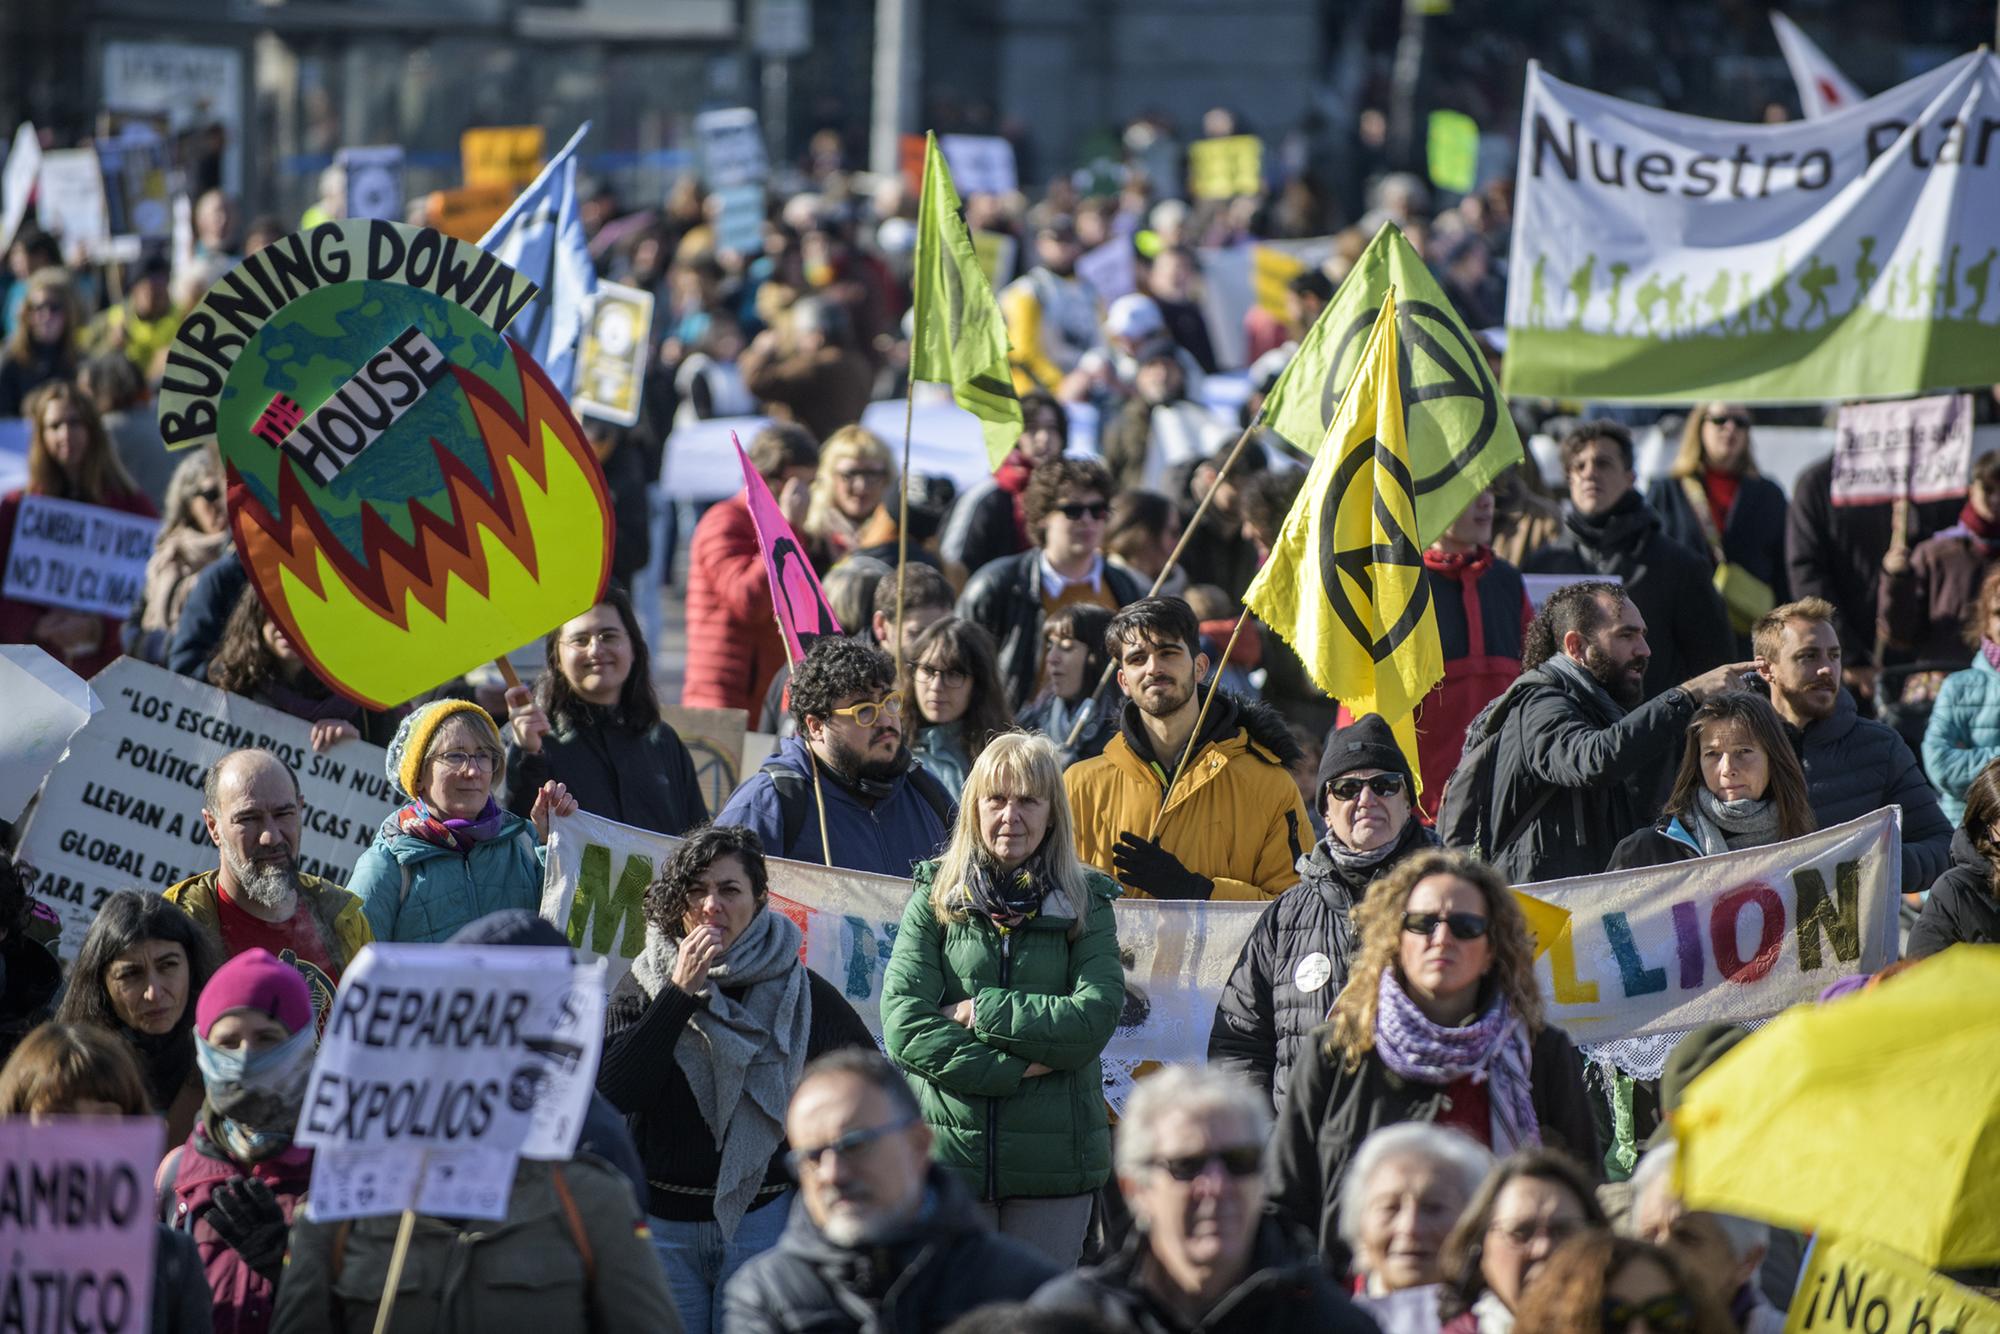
pixel 1003 989
pixel 44 346
pixel 856 470
pixel 1714 501
pixel 1440 1021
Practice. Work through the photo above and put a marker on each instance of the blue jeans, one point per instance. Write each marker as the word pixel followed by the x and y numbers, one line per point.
pixel 698 1261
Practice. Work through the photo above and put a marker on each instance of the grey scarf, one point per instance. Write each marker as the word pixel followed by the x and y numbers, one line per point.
pixel 1728 826
pixel 1579 673
pixel 741 1058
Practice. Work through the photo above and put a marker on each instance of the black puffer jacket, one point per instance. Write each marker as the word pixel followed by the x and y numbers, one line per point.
pixel 1855 765
pixel 1962 909
pixel 1581 766
pixel 1006 597
pixel 1285 1292
pixel 1293 965
pixel 950 1263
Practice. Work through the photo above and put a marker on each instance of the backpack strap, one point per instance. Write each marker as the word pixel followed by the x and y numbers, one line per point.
pixel 932 789
pixel 574 1217
pixel 794 802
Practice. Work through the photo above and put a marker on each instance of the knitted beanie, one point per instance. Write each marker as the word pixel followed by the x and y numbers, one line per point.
pixel 255 980
pixel 405 766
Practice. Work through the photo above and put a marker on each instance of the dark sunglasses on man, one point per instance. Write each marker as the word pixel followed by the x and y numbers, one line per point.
pixel 1382 785
pixel 1245 1160
pixel 1096 509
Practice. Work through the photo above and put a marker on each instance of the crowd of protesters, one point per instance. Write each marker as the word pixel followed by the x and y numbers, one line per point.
pixel 1045 712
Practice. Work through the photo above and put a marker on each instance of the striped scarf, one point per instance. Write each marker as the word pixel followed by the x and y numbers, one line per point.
pixel 1493 1049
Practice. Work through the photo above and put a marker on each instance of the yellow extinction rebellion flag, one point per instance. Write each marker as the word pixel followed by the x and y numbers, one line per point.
pixel 960 338
pixel 1345 583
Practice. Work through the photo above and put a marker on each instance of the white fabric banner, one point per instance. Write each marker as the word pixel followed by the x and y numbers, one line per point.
pixel 1176 955
pixel 1666 257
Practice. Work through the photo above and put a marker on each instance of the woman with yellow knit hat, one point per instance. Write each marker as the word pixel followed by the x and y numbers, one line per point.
pixel 452 855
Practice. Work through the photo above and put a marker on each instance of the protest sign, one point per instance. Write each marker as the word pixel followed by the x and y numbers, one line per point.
pixel 1664 257
pixel 133 154
pixel 1853 1286
pixel 1719 939
pixel 374 181
pixel 442 1064
pixel 801 606
pixel 69 199
pixel 981 164
pixel 611 363
pixel 46 703
pixel 501 155
pixel 731 147
pixel 1919 449
pixel 1111 270
pixel 1226 167
pixel 714 738
pixel 79 557
pixel 122 809
pixel 77 1225
pixel 467 213
pixel 781 29
pixel 17 184
pixel 409 492
pixel 1176 955
pixel 195 86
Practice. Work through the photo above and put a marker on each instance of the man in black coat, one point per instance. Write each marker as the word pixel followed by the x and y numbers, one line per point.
pixel 1580 746
pixel 1298 956
pixel 1202 1253
pixel 1066 505
pixel 880 1238
pixel 1610 531
pixel 1853 765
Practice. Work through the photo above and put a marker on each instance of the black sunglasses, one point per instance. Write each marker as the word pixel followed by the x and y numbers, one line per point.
pixel 1096 509
pixel 1731 419
pixel 1668 1314
pixel 1245 1160
pixel 1463 925
pixel 1382 785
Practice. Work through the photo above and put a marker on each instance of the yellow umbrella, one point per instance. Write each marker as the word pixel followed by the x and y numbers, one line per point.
pixel 1874 1117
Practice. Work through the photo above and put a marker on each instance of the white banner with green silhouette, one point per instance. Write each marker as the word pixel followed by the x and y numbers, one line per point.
pixel 1665 257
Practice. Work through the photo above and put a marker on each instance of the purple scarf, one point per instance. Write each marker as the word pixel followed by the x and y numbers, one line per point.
pixel 419 821
pixel 1493 1050
pixel 1991 651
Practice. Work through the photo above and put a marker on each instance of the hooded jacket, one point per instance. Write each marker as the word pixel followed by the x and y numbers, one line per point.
pixel 1005 597
pixel 1037 996
pixel 1286 1291
pixel 1855 765
pixel 1294 963
pixel 1687 627
pixel 1962 907
pixel 1236 815
pixel 1963 735
pixel 946 1262
pixel 884 827
pixel 1588 762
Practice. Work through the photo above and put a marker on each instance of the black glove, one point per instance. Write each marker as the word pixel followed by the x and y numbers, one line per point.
pixel 246 1215
pixel 1143 864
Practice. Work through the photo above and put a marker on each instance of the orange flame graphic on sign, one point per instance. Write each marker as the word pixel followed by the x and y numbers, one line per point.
pixel 470 584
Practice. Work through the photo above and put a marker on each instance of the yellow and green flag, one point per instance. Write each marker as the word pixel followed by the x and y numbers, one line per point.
pixel 1460 435
pixel 960 338
pixel 1345 584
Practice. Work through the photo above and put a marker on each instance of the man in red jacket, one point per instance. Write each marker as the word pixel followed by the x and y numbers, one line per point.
pixel 733 645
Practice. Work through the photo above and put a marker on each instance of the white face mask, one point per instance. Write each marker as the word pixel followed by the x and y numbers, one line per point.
pixel 262 1090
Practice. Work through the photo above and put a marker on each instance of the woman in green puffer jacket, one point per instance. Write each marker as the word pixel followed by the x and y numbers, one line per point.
pixel 1002 991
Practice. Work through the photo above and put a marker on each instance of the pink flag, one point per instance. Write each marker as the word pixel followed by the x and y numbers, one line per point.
pixel 802 611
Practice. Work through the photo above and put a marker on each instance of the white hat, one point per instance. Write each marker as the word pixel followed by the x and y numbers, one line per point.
pixel 1134 316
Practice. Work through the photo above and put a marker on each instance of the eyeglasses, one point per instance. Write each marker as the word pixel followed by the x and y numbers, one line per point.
pixel 853 1142
pixel 211 494
pixel 1463 925
pixel 1730 419
pixel 482 760
pixel 46 307
pixel 1095 509
pixel 608 638
pixel 1245 1160
pixel 867 711
pixel 1382 785
pixel 1522 1235
pixel 1668 1314
pixel 861 476
pixel 951 678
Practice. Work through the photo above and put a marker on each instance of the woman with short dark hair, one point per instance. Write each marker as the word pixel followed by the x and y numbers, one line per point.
pixel 705 1040
pixel 951 678
pixel 1073 661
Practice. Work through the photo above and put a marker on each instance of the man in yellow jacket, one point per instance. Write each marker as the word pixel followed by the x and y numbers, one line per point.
pixel 1235 825
pixel 257 897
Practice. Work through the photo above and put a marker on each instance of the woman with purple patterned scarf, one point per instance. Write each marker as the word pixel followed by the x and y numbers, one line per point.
pixel 1440 1021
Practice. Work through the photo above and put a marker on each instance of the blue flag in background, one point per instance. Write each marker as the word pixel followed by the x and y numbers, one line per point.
pixel 541 236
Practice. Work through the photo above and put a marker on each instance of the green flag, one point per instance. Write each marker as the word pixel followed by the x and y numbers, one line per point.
pixel 1460 434
pixel 960 338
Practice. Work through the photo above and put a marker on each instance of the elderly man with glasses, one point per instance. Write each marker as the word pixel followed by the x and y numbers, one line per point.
pixel 882 812
pixel 1202 1253
pixel 880 1238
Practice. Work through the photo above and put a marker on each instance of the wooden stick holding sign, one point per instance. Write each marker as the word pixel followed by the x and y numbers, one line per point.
pixel 1180 767
pixel 812 760
pixel 400 1253
pixel 1173 559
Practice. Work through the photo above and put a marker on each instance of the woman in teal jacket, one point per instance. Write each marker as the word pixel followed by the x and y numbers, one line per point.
pixel 452 855
pixel 1964 732
pixel 1002 991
